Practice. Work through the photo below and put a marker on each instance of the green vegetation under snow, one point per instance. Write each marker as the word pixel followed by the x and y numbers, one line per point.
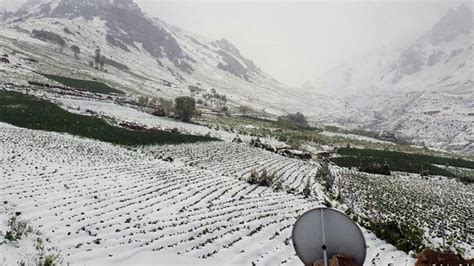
pixel 88 85
pixel 30 112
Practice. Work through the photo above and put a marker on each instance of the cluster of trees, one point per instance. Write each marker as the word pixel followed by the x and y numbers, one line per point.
pixel 184 107
pixel 216 99
pixel 293 121
pixel 167 106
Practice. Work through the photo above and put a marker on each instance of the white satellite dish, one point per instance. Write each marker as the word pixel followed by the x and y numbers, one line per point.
pixel 322 233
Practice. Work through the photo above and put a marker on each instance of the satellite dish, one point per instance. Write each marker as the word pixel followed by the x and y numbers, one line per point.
pixel 321 233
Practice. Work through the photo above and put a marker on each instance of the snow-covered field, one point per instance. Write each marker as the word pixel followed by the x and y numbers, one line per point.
pixel 96 203
pixel 128 114
pixel 436 204
pixel 101 203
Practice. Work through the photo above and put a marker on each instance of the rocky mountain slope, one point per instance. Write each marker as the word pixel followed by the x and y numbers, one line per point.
pixel 424 92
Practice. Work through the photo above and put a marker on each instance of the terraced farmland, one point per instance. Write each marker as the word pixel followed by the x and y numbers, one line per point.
pixel 103 203
pixel 435 204
pixel 122 113
pixel 239 160
pixel 31 112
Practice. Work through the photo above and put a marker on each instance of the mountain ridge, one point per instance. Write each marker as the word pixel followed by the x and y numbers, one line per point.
pixel 401 90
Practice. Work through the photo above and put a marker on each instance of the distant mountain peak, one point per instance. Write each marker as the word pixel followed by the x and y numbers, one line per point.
pixel 456 21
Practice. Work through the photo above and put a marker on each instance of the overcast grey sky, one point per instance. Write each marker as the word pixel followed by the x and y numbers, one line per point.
pixel 298 41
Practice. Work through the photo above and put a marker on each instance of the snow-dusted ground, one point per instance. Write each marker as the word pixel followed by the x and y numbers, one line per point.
pixel 355 137
pixel 105 204
pixel 123 113
pixel 101 203
pixel 431 203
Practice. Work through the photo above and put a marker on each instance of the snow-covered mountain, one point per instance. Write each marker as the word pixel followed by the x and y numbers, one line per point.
pixel 155 58
pixel 10 5
pixel 423 92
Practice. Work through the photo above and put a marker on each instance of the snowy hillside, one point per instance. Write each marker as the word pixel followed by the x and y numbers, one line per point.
pixel 154 58
pixel 423 92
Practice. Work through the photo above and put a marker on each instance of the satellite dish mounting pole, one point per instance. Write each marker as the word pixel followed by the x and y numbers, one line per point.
pixel 317 236
pixel 324 239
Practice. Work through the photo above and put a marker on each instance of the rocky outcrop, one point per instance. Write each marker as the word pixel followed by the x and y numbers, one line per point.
pixel 234 62
pixel 233 66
